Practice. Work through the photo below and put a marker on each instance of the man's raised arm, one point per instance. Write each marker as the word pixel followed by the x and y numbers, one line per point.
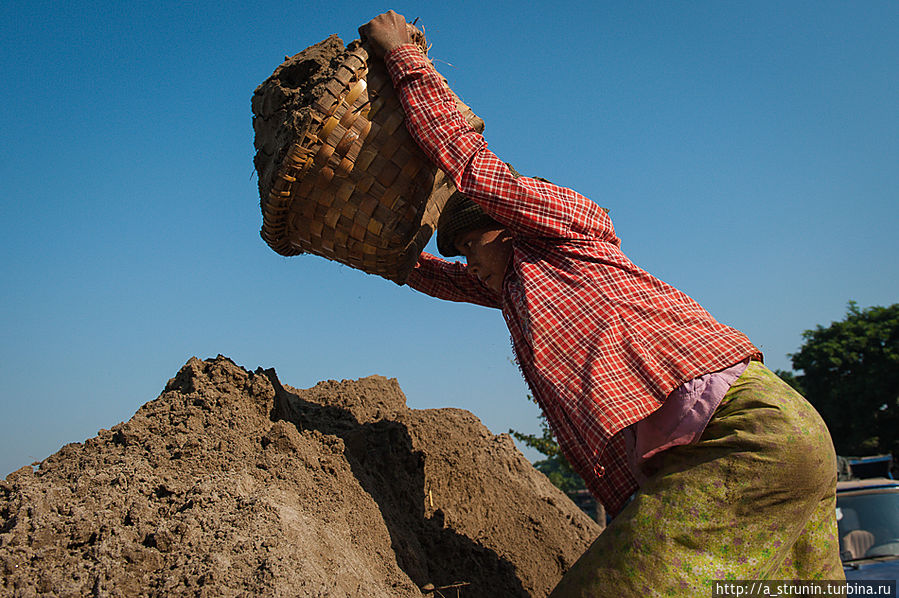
pixel 525 205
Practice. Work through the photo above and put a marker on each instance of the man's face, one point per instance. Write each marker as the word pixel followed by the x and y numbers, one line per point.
pixel 487 252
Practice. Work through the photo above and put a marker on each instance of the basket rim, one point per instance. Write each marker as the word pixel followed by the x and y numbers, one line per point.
pixel 296 164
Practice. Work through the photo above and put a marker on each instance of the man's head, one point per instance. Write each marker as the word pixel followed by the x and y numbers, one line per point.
pixel 465 229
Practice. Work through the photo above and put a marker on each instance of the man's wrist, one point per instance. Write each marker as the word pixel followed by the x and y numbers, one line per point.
pixel 402 49
pixel 402 58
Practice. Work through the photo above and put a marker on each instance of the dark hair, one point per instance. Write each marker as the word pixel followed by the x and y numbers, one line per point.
pixel 460 215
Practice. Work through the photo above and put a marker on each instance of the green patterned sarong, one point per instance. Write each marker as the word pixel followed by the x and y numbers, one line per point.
pixel 753 499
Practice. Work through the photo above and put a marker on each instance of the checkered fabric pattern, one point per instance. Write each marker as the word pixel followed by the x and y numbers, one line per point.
pixel 600 341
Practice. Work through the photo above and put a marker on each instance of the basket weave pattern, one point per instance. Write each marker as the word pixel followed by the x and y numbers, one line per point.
pixel 354 187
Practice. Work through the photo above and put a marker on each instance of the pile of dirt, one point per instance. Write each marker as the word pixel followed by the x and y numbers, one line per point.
pixel 231 484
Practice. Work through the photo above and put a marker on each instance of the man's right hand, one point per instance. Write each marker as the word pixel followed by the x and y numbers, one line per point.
pixel 386 32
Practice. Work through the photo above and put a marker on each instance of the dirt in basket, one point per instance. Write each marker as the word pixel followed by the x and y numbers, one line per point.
pixel 280 105
pixel 231 484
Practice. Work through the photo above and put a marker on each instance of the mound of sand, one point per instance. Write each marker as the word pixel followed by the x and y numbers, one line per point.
pixel 230 484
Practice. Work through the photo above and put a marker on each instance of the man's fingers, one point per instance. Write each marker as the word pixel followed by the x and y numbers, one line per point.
pixel 385 32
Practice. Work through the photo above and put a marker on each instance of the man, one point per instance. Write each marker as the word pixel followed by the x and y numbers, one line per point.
pixel 734 472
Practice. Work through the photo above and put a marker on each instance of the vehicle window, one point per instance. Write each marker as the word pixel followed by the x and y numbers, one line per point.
pixel 868 524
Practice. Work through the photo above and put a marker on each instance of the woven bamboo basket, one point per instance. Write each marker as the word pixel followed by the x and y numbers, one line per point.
pixel 350 184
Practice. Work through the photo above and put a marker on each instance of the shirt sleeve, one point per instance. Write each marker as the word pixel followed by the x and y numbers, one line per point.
pixel 450 281
pixel 527 206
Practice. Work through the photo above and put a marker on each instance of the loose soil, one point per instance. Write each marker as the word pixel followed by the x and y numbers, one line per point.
pixel 281 105
pixel 232 484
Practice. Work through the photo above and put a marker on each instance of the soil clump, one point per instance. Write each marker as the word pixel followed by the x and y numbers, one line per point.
pixel 282 104
pixel 232 484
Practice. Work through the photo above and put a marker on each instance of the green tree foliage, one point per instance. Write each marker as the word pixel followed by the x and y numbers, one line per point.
pixel 555 466
pixel 850 373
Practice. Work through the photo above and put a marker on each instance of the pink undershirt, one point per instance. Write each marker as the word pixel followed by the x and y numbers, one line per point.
pixel 681 419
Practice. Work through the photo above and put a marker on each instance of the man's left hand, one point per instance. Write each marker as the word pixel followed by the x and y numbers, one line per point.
pixel 386 32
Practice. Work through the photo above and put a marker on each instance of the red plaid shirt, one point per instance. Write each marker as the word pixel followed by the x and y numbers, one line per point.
pixel 600 342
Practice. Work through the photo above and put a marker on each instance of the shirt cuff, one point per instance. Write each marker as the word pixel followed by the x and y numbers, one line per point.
pixel 403 59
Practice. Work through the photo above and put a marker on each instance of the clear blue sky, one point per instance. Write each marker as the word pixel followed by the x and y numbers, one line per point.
pixel 749 153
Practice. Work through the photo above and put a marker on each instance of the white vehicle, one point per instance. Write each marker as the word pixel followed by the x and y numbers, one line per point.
pixel 868 527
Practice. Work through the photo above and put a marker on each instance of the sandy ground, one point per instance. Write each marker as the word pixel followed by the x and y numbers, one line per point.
pixel 230 484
